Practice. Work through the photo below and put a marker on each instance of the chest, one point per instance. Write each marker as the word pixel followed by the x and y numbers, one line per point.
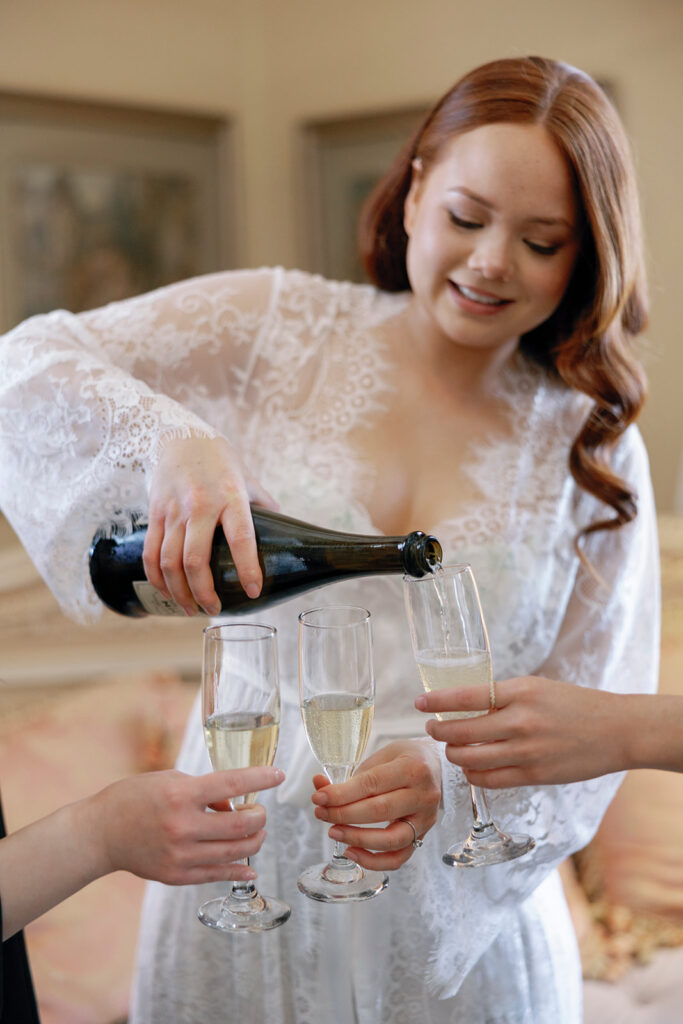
pixel 418 457
pixel 355 433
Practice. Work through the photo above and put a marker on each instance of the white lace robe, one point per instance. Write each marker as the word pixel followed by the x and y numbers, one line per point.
pixel 285 365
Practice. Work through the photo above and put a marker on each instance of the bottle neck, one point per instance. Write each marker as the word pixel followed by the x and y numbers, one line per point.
pixel 421 553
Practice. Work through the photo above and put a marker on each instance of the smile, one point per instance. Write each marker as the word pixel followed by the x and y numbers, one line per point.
pixel 481 297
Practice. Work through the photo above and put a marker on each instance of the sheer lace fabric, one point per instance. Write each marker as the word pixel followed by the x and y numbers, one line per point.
pixel 286 366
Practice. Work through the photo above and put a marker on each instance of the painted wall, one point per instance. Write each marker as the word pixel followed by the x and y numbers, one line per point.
pixel 273 64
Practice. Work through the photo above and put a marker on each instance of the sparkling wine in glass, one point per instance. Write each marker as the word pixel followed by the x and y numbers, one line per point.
pixel 241 716
pixel 451 648
pixel 337 693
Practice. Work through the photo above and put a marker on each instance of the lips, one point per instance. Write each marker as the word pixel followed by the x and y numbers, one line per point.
pixel 478 296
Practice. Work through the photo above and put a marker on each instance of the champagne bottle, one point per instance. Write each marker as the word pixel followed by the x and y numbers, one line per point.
pixel 294 557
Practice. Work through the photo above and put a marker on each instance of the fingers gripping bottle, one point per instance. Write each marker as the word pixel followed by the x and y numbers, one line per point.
pixel 294 557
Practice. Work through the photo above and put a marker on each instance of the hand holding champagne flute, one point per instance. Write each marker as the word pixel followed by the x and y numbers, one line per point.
pixel 241 716
pixel 337 692
pixel 451 648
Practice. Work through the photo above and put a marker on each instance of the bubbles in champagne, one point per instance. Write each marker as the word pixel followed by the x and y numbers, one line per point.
pixel 442 671
pixel 241 739
pixel 338 727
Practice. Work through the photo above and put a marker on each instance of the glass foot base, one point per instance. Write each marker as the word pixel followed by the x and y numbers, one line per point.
pixel 230 914
pixel 488 846
pixel 341 880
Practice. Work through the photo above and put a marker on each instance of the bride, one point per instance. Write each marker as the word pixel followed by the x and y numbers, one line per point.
pixel 484 389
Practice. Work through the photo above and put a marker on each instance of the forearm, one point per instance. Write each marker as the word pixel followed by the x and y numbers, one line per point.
pixel 76 433
pixel 47 861
pixel 653 731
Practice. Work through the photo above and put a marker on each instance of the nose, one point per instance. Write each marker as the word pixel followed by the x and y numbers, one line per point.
pixel 491 256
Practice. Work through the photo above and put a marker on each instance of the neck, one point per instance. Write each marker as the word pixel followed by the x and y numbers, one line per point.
pixel 464 370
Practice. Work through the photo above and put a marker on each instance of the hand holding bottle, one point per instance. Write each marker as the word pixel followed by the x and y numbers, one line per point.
pixel 197 484
pixel 401 780
pixel 295 556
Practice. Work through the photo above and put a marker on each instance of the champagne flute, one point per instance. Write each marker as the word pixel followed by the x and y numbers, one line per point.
pixel 337 692
pixel 241 716
pixel 451 648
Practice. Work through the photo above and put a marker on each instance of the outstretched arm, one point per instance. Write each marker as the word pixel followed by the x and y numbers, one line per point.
pixel 135 407
pixel 156 825
pixel 546 732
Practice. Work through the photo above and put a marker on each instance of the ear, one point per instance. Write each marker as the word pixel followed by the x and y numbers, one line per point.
pixel 410 205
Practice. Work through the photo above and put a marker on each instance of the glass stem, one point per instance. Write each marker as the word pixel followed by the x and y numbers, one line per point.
pixel 480 809
pixel 336 774
pixel 242 889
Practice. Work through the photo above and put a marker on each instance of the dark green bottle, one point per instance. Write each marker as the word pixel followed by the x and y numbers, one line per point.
pixel 294 557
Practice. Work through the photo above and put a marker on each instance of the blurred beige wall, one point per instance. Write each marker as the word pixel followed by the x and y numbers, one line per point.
pixel 273 64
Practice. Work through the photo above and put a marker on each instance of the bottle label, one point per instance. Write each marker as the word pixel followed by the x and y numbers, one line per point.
pixel 153 601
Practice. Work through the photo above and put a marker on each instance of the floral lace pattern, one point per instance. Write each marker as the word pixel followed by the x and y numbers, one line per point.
pixel 286 365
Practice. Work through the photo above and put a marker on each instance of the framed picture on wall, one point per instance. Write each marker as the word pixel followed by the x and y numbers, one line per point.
pixel 344 159
pixel 100 202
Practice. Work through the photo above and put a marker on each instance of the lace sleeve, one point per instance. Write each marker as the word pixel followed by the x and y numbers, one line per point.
pixel 86 398
pixel 610 634
pixel 609 639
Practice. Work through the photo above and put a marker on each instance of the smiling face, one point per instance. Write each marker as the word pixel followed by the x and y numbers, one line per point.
pixel 493 235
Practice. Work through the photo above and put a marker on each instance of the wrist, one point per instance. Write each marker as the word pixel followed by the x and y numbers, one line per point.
pixel 637 736
pixel 182 435
pixel 653 736
pixel 89 827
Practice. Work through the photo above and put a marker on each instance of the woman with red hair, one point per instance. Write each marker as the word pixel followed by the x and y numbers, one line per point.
pixel 484 388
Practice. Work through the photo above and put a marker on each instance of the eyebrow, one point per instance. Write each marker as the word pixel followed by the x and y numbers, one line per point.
pixel 551 221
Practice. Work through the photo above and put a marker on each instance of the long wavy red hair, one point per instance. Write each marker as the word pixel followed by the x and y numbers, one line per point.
pixel 588 341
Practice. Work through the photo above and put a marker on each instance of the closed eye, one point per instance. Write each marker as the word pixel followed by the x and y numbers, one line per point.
pixel 542 250
pixel 470 225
